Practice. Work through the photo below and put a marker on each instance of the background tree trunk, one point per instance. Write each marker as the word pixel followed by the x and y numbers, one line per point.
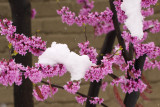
pixel 21 16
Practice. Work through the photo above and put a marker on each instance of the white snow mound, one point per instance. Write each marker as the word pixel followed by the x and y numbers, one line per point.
pixel 60 53
pixel 134 22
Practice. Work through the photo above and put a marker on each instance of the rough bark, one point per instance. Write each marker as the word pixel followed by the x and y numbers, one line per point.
pixel 21 16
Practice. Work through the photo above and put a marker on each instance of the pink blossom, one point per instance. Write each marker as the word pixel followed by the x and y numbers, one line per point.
pixel 129 85
pixel 20 42
pixel 86 50
pixel 34 74
pixel 10 73
pixel 80 99
pixel 72 87
pixel 33 13
pixel 102 22
pixel 104 85
pixel 96 100
pixel 148 3
pixel 45 91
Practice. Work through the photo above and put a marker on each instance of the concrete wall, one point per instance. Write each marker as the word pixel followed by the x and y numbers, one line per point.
pixel 52 29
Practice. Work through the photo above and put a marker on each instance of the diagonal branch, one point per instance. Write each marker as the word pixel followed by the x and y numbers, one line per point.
pixel 81 94
pixel 118 31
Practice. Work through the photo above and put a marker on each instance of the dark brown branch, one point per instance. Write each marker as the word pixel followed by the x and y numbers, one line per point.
pixel 113 76
pixel 81 94
pixel 131 99
pixel 118 31
pixel 106 48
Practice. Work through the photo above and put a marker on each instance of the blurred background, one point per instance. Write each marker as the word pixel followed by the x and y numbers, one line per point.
pixel 51 28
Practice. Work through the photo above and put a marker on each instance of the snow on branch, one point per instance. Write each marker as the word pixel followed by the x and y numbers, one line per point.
pixel 134 22
pixel 60 53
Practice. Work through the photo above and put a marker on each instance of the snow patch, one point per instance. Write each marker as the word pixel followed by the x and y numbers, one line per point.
pixel 59 53
pixel 134 22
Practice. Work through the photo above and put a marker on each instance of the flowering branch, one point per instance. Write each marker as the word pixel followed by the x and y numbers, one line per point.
pixel 81 94
pixel 130 99
pixel 118 31
pixel 106 48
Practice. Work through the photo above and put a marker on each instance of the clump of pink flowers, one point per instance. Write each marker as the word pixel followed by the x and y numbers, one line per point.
pixel 40 71
pixel 98 72
pixel 72 87
pixel 46 91
pixel 86 50
pixel 96 100
pixel 20 42
pixel 10 72
pixel 104 85
pixel 129 85
pixel 81 99
pixel 102 22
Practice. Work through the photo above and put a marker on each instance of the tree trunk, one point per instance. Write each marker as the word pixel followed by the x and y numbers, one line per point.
pixel 21 16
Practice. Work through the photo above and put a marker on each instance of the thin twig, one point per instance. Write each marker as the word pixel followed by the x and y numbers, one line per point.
pixel 85 32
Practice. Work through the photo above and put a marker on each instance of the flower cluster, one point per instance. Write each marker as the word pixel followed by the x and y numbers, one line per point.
pixel 135 73
pixel 86 6
pixel 40 71
pixel 72 87
pixel 46 91
pixel 102 22
pixel 98 72
pixel 20 42
pixel 147 12
pixel 149 49
pixel 10 73
pixel 96 100
pixel 127 37
pixel 129 85
pixel 86 50
pixel 148 3
pixel 152 25
pixel 34 74
pixel 6 27
pixel 120 13
pixel 80 99
pixel 151 64
pixel 104 85
pixel 36 45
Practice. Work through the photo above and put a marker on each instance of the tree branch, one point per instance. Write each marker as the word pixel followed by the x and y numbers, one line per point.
pixel 81 94
pixel 131 99
pixel 118 31
pixel 106 48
